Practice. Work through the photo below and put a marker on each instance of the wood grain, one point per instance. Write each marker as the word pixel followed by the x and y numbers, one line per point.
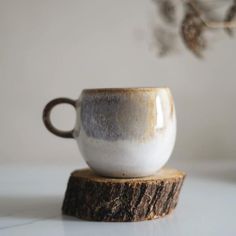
pixel 92 197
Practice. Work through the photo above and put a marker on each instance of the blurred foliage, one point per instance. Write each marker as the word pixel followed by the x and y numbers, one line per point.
pixel 196 18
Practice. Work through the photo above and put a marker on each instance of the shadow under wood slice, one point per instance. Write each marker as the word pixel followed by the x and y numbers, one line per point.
pixel 96 198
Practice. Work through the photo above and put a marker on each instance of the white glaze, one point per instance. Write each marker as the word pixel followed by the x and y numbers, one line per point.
pixel 126 158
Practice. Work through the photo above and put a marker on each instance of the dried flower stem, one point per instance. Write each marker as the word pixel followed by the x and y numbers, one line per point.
pixel 211 24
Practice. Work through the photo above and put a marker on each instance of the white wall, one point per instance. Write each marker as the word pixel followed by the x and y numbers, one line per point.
pixel 56 48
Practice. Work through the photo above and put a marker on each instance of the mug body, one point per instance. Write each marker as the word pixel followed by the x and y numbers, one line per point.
pixel 125 132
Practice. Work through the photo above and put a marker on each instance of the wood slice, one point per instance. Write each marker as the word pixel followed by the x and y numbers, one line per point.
pixel 92 197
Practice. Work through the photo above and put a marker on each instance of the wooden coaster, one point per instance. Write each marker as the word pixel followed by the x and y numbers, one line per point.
pixel 92 197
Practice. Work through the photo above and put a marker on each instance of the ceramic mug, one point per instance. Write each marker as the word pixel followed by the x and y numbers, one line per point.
pixel 121 132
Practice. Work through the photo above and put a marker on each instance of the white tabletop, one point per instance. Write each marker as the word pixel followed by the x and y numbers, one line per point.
pixel 31 199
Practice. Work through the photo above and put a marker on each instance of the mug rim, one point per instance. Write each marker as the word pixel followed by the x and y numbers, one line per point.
pixel 125 89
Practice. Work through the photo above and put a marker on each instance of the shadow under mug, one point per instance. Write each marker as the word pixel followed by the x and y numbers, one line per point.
pixel 121 132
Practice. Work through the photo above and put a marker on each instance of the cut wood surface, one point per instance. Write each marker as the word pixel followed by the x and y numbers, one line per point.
pixel 92 197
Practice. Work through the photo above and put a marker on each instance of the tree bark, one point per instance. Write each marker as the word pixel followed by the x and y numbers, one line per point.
pixel 92 197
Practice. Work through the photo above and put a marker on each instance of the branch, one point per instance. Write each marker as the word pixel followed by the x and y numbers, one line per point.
pixel 211 24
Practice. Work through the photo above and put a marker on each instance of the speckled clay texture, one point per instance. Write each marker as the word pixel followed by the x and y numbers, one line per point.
pixel 126 132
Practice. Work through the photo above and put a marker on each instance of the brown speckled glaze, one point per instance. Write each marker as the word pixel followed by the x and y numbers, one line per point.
pixel 118 114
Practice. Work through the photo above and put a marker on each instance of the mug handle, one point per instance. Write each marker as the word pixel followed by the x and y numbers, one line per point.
pixel 47 120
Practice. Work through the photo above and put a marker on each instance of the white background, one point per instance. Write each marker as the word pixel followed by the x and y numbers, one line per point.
pixel 54 48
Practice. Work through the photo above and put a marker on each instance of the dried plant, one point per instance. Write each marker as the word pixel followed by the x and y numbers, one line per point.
pixel 192 28
pixel 164 41
pixel 230 16
pixel 166 8
pixel 198 17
